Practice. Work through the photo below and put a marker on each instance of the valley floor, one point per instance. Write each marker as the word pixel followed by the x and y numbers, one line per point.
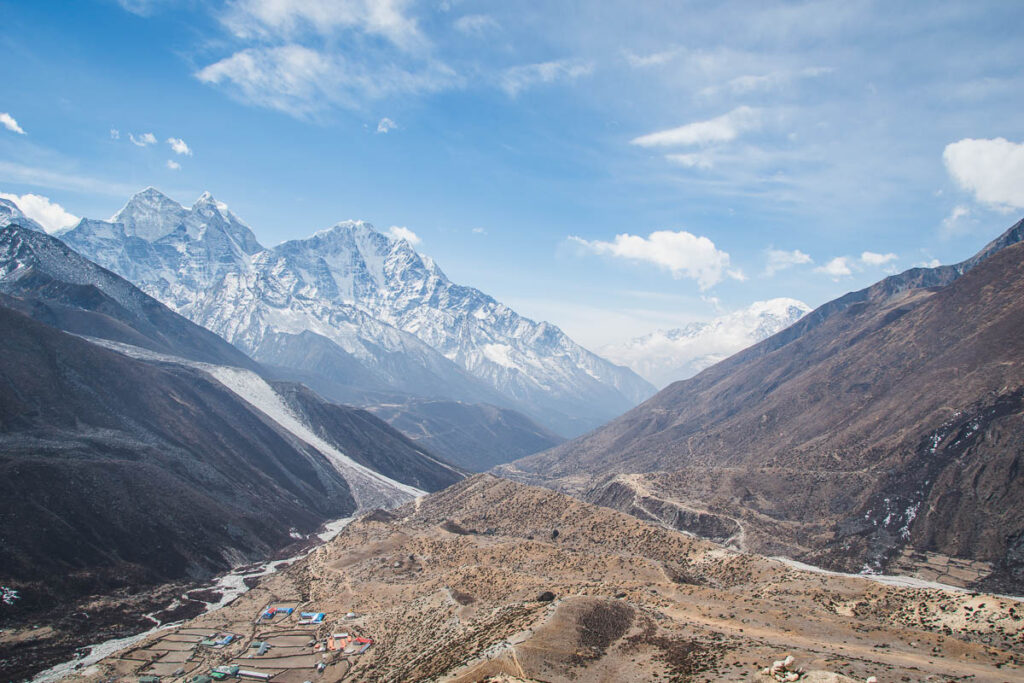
pixel 495 578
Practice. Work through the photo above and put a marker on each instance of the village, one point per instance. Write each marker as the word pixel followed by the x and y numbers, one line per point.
pixel 286 643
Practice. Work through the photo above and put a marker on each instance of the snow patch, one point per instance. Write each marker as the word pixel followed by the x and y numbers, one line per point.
pixel 499 354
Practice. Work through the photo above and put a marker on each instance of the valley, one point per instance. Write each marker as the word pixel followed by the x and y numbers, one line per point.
pixel 491 578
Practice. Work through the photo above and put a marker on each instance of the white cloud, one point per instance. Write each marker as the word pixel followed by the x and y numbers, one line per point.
pixel 681 253
pixel 301 81
pixel 288 19
pixel 653 59
pixel 993 170
pixel 693 160
pixel 959 221
pixel 844 266
pixel 400 232
pixel 870 258
pixel 51 215
pixel 836 268
pixel 479 231
pixel 115 134
pixel 475 24
pixel 933 263
pixel 179 146
pixel 773 80
pixel 143 140
pixel 173 165
pixel 518 78
pixel 10 124
pixel 386 124
pixel 779 259
pixel 724 128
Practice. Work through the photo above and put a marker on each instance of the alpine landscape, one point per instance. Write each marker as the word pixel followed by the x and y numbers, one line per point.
pixel 687 343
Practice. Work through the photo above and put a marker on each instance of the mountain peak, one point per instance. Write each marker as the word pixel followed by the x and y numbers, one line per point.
pixel 207 201
pixel 206 198
pixel 150 214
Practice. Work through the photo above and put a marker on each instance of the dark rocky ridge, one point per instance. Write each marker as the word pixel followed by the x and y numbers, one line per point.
pixel 888 418
pixel 475 436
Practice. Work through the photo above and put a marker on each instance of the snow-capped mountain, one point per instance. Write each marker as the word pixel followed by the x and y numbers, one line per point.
pixel 666 356
pixel 356 305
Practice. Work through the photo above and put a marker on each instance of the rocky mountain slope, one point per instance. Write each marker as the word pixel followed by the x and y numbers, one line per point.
pixel 130 473
pixel 666 356
pixel 379 314
pixel 474 436
pixel 883 429
pixel 145 448
pixel 490 580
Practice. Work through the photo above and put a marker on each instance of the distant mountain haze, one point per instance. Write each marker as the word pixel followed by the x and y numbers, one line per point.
pixel 666 356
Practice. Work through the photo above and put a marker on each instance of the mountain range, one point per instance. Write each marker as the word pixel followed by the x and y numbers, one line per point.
pixel 881 431
pixel 364 312
pixel 666 356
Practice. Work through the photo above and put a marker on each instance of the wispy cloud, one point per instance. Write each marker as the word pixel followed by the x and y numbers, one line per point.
pixel 400 232
pixel 475 24
pixel 516 79
pixel 386 124
pixel 115 134
pixel 289 19
pixel 306 57
pixel 773 80
pixel 959 221
pixel 179 147
pixel 683 254
pixel 780 259
pixel 301 81
pixel 10 124
pixel 143 140
pixel 651 59
pixel 991 170
pixel 724 128
pixel 51 215
pixel 48 178
pixel 173 165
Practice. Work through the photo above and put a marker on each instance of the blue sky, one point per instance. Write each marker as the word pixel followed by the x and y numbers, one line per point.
pixel 613 167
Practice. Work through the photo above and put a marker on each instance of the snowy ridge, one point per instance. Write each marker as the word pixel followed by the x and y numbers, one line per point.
pixel 666 356
pixel 370 489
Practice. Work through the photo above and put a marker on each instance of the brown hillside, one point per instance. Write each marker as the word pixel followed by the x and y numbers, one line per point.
pixel 895 420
